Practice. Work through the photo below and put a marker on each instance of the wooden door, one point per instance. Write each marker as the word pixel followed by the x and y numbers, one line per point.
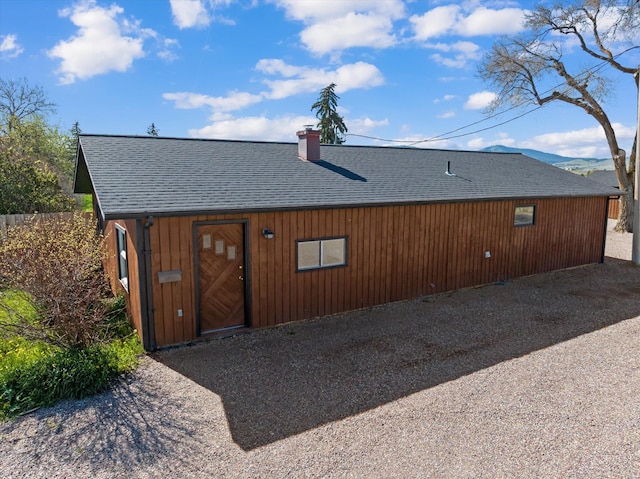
pixel 221 271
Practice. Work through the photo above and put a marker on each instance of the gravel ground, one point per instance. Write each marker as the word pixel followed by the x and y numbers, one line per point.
pixel 535 378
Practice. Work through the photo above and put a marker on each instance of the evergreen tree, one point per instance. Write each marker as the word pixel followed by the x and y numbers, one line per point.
pixel 331 124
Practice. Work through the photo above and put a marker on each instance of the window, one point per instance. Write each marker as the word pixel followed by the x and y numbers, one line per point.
pixel 525 215
pixel 322 253
pixel 121 243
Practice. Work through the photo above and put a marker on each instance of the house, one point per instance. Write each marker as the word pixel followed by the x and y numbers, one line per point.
pixel 609 178
pixel 208 236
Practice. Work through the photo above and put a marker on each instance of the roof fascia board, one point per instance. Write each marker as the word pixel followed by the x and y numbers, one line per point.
pixel 235 211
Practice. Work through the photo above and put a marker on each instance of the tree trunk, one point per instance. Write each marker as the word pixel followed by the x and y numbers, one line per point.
pixel 625 218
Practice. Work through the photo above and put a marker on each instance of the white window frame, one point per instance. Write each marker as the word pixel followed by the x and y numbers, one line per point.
pixel 321 264
pixel 123 264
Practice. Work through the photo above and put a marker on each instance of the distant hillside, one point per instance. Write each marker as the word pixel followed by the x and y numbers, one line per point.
pixel 564 162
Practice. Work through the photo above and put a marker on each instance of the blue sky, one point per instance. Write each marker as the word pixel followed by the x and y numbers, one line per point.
pixel 250 69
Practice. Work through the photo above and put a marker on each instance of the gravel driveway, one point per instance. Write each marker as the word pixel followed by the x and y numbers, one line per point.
pixel 538 377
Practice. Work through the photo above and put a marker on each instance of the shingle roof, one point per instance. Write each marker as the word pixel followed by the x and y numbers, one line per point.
pixel 137 176
pixel 605 177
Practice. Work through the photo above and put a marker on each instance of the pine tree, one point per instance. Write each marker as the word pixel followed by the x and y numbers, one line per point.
pixel 331 124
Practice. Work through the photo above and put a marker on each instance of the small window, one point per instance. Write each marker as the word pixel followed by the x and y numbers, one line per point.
pixel 322 253
pixel 525 215
pixel 123 269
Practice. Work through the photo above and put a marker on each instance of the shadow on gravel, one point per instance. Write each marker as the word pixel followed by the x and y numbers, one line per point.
pixel 116 433
pixel 280 382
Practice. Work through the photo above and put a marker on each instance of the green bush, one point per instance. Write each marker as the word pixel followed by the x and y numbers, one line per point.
pixel 61 334
pixel 85 203
pixel 68 373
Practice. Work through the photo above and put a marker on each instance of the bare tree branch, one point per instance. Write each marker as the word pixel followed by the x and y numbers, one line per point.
pixel 530 69
pixel 20 101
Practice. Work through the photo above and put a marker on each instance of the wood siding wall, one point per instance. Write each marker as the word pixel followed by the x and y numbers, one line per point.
pixel 614 208
pixel 393 253
pixel 111 267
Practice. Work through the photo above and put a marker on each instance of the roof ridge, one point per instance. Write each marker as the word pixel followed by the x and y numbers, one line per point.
pixel 272 142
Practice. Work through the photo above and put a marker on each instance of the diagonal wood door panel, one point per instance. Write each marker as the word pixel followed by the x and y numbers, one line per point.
pixel 221 276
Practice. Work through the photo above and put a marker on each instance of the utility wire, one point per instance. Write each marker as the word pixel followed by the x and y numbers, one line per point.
pixel 445 136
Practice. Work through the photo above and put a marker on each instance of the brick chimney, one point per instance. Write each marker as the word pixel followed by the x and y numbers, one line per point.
pixel 309 144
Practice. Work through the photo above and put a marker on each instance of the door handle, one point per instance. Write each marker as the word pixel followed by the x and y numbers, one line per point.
pixel 241 278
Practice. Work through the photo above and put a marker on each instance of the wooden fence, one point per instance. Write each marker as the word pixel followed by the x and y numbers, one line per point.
pixel 7 221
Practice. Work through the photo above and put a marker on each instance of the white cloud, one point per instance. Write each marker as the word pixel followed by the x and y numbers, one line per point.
pixel 464 52
pixel 436 22
pixel 587 142
pixel 275 66
pixel 486 21
pixel 363 126
pixel 583 143
pixel 262 128
pixel 311 11
pixel 465 20
pixel 189 13
pixel 480 100
pixel 334 26
pixel 423 141
pixel 9 47
pixel 444 98
pixel 99 45
pixel 296 80
pixel 458 20
pixel 235 100
pixel 477 144
pixel 352 30
pixel 447 114
pixel 303 79
pixel 501 139
pixel 166 53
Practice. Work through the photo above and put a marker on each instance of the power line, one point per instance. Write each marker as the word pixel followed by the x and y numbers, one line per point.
pixel 444 136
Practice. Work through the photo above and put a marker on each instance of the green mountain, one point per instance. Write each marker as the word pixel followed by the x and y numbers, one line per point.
pixel 567 163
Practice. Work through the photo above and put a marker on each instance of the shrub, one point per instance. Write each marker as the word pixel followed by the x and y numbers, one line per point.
pixel 57 265
pixel 69 373
pixel 59 324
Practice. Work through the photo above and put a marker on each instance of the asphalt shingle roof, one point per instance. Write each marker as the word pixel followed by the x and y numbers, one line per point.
pixel 137 176
pixel 605 177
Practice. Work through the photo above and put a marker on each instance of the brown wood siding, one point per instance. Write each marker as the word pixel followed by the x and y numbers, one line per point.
pixel 132 296
pixel 393 253
pixel 614 208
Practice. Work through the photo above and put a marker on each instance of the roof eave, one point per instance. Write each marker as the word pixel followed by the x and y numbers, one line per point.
pixel 115 215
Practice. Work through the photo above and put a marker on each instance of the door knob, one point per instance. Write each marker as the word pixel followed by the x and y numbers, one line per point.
pixel 240 278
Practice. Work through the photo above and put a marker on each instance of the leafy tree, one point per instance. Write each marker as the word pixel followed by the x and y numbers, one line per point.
pixel 152 130
pixel 35 138
pixel 28 185
pixel 35 169
pixel 37 166
pixel 532 69
pixel 20 101
pixel 331 124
